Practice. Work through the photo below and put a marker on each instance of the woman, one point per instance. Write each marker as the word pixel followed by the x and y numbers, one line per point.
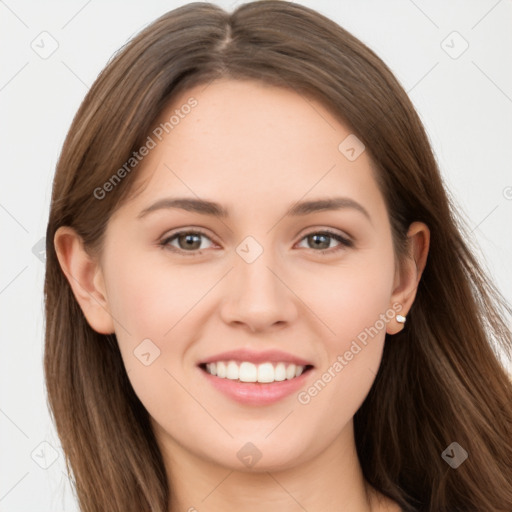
pixel 258 296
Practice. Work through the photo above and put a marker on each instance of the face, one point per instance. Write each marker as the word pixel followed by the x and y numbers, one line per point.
pixel 317 285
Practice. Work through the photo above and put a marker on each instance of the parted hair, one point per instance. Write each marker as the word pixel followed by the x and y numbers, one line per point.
pixel 440 379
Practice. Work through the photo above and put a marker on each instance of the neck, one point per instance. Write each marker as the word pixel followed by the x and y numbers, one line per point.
pixel 328 480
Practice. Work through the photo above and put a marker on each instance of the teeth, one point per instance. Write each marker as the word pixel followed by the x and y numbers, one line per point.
pixel 249 372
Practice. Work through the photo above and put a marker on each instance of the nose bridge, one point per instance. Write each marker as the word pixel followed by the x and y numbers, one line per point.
pixel 256 294
pixel 253 268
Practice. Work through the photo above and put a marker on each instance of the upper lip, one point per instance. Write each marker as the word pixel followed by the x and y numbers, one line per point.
pixel 256 357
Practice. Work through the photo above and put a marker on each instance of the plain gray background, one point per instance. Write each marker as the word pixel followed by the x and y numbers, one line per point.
pixel 463 96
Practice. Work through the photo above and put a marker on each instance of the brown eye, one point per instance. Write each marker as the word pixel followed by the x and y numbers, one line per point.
pixel 320 241
pixel 187 242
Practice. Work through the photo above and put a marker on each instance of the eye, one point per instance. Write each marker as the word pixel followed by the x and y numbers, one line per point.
pixel 322 240
pixel 189 242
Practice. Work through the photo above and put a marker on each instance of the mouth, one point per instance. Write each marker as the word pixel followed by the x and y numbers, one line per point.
pixel 253 384
pixel 251 373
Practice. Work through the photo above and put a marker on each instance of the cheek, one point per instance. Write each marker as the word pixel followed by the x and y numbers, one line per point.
pixel 148 295
pixel 351 298
pixel 147 301
pixel 154 302
pixel 356 309
pixel 144 304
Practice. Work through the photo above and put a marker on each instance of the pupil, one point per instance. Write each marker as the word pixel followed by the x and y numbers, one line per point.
pixel 315 237
pixel 190 240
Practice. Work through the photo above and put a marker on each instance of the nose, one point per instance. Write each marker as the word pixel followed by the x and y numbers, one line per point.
pixel 257 295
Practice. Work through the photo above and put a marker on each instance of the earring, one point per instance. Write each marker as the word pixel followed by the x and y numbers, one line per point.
pixel 400 319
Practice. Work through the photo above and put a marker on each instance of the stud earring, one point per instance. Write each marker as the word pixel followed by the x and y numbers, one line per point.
pixel 400 319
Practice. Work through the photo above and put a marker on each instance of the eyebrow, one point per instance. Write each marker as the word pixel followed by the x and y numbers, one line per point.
pixel 214 209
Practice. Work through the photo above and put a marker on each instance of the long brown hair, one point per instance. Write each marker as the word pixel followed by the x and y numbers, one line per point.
pixel 440 380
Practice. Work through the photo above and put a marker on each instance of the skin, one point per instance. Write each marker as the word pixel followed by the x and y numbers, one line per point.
pixel 256 150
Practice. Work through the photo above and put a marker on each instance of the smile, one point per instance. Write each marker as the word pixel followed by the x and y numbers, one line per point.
pixel 246 371
pixel 256 384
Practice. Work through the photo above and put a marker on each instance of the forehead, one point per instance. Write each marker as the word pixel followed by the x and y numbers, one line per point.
pixel 246 140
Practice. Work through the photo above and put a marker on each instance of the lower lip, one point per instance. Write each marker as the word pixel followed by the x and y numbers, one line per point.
pixel 257 393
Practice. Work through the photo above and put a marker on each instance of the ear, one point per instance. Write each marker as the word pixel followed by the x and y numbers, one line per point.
pixel 85 278
pixel 408 276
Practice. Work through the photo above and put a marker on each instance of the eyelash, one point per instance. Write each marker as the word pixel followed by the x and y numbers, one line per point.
pixel 344 242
